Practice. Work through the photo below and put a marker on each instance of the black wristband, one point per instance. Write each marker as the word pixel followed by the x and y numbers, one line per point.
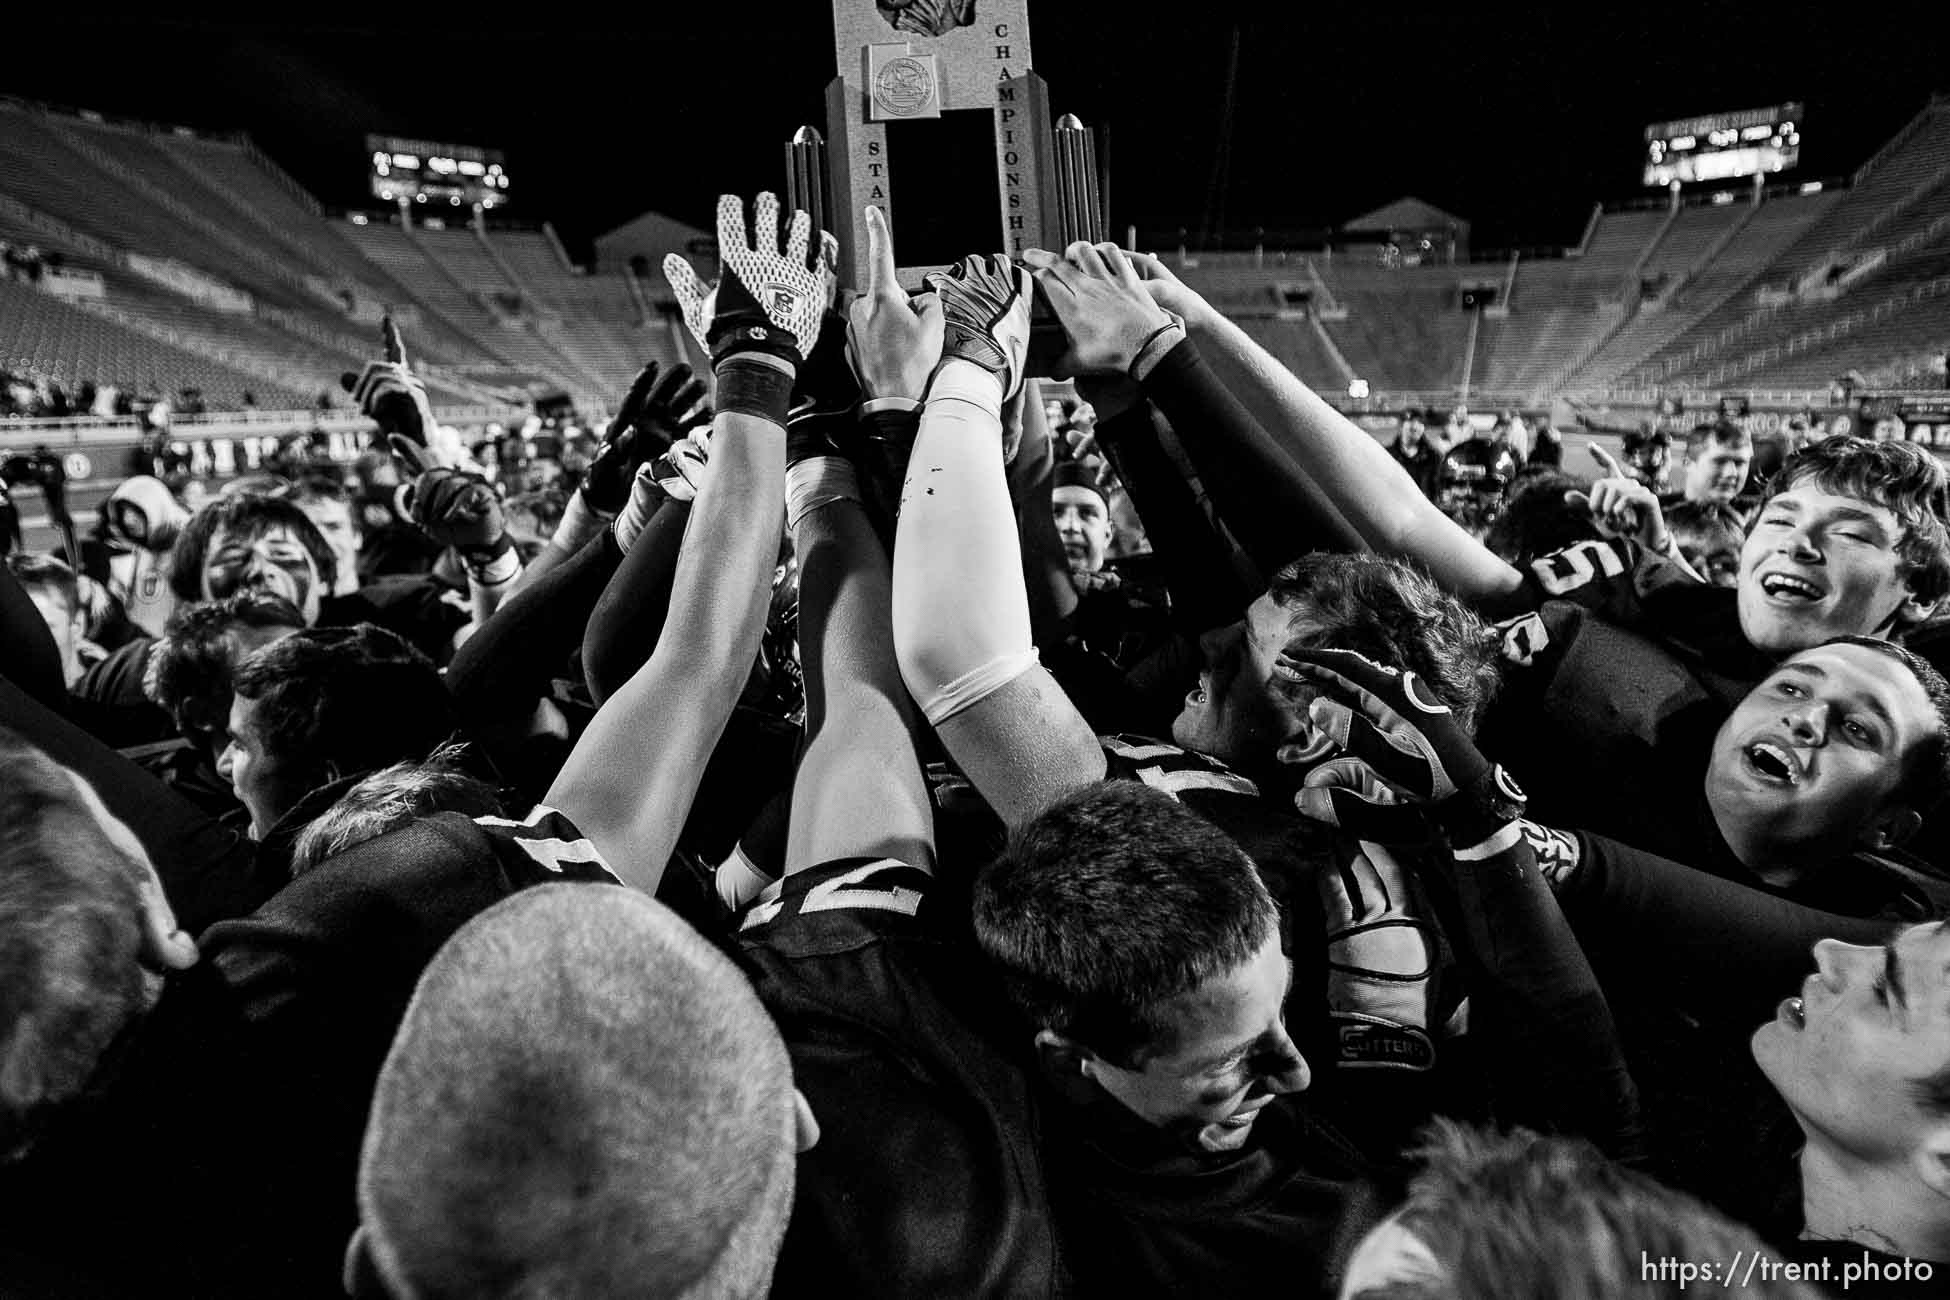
pixel 751 387
pixel 1471 816
pixel 897 427
pixel 494 550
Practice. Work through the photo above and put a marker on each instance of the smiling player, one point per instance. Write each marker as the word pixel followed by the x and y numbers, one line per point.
pixel 1835 753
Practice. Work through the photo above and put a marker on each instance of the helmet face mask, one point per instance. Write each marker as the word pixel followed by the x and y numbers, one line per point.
pixel 1472 483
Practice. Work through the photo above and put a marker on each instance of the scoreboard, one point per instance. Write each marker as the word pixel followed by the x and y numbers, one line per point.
pixel 425 171
pixel 1722 146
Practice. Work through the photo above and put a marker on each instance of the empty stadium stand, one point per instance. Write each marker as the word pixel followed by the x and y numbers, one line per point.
pixel 204 265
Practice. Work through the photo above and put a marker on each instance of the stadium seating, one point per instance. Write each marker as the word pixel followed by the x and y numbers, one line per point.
pixel 40 334
pixel 1759 237
pixel 1297 343
pixel 1739 324
pixel 253 286
pixel 610 337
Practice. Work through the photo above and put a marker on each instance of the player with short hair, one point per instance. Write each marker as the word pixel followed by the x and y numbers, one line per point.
pixel 1497 1214
pixel 313 711
pixel 583 1098
pixel 1850 540
pixel 56 593
pixel 1717 459
pixel 1081 508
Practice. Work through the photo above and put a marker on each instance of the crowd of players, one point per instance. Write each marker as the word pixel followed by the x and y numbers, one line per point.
pixel 808 839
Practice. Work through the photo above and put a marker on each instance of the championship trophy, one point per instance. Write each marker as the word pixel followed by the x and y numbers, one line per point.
pixel 904 60
pixel 917 59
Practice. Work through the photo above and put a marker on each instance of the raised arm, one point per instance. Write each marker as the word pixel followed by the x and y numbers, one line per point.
pixel 1116 328
pixel 1373 492
pixel 659 408
pixel 1554 1056
pixel 631 779
pixel 961 614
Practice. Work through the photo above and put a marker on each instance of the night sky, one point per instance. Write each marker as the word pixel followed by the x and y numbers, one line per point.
pixel 1513 117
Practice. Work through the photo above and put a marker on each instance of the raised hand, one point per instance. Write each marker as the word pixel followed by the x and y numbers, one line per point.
pixel 767 302
pixel 985 305
pixel 453 507
pixel 656 412
pixel 1097 295
pixel 1386 721
pixel 390 393
pixel 1621 506
pixel 1165 288
pixel 894 343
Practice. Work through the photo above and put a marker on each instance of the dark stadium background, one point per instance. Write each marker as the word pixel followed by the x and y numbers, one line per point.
pixel 1515 117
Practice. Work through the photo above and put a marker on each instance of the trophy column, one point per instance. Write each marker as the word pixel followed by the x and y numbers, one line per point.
pixel 913 59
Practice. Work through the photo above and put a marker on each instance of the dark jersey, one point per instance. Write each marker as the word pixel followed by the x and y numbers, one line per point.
pixel 250 1080
pixel 1423 464
pixel 1278 1218
pixel 1378 1109
pixel 422 611
pixel 1142 1219
pixel 108 700
pixel 927 1178
pixel 1618 673
pixel 1659 934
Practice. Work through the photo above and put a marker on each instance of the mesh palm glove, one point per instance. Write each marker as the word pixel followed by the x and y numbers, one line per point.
pixel 1387 721
pixel 660 406
pixel 985 304
pixel 765 301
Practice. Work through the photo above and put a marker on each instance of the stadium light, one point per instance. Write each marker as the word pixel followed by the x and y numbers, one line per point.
pixel 359 218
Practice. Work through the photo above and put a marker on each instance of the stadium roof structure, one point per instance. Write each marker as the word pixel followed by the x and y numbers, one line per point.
pixel 1406 213
pixel 651 235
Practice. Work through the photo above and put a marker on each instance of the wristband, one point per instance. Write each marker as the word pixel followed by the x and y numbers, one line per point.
pixel 1474 816
pixel 503 568
pixel 750 385
pixel 1155 348
pixel 964 381
pixel 817 481
pixel 893 426
pixel 478 557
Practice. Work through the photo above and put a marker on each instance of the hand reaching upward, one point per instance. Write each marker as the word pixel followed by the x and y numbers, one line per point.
pixel 389 391
pixel 767 302
pixel 659 408
pixel 1622 506
pixel 985 305
pixel 1103 305
pixel 894 343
